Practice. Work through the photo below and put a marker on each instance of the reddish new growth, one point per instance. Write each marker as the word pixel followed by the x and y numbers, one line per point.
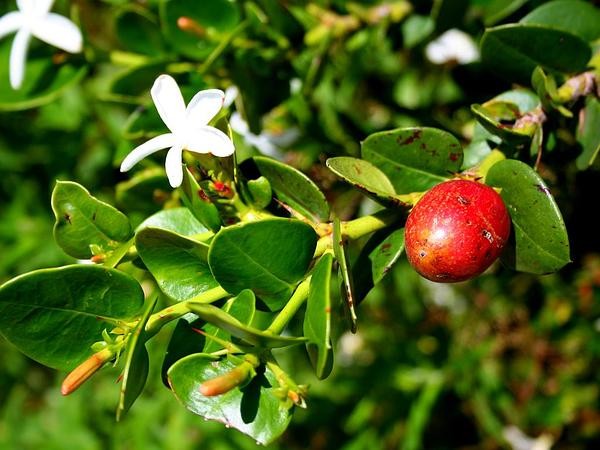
pixel 456 231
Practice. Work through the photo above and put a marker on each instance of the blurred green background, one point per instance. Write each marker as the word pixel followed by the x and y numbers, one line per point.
pixel 492 363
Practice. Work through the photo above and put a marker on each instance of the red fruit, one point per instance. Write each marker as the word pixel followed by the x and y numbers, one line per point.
pixel 456 231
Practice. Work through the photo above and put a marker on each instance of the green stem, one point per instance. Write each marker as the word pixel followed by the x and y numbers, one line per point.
pixel 161 318
pixel 291 308
pixel 365 225
pixel 218 51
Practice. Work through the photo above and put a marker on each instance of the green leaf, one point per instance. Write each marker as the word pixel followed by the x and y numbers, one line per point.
pixel 414 159
pixel 176 220
pixel 55 315
pixel 540 242
pixel 492 116
pixel 255 409
pixel 317 320
pixel 366 178
pixel 133 85
pixel 294 188
pixel 269 256
pixel 415 29
pixel 241 308
pixel 261 192
pixel 184 341
pixel 251 335
pixel 137 364
pixel 43 82
pixel 344 270
pixel 83 221
pixel 496 10
pixel 376 259
pixel 588 133
pixel 199 203
pixel 514 50
pixel 218 16
pixel 545 86
pixel 178 264
pixel 135 28
pixel 575 16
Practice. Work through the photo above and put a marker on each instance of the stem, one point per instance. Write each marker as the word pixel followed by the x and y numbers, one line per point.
pixel 291 308
pixel 216 53
pixel 364 225
pixel 161 318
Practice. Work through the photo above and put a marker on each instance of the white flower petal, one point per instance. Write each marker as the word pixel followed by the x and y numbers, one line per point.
pixel 147 148
pixel 18 53
pixel 168 101
pixel 210 140
pixel 10 22
pixel 27 6
pixel 173 166
pixel 60 32
pixel 203 107
pixel 42 6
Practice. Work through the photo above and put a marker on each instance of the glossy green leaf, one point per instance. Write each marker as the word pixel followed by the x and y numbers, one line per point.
pixel 55 315
pixel 255 409
pixel 137 364
pixel 578 17
pixel 136 30
pixel 317 320
pixel 414 159
pixel 345 272
pixel 588 133
pixel 83 221
pixel 294 188
pixel 217 15
pixel 366 178
pixel 525 99
pixel 514 50
pixel 540 243
pixel 241 308
pixel 43 81
pixel 176 220
pixel 199 203
pixel 178 264
pixel 145 192
pixel 376 259
pixel 269 256
pixel 251 335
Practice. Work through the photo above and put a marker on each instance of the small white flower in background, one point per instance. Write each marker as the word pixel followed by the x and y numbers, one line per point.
pixel 520 441
pixel 453 45
pixel 266 142
pixel 189 128
pixel 35 19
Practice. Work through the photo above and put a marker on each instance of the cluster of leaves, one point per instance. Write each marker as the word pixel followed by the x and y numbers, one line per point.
pixel 237 251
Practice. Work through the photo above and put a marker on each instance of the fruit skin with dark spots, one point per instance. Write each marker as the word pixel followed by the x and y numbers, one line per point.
pixel 456 231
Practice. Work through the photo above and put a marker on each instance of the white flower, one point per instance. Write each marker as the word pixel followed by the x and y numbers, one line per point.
pixel 266 142
pixel 34 19
pixel 189 128
pixel 453 45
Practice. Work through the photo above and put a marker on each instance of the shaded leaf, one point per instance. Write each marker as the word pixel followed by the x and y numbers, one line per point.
pixel 55 315
pixel 199 203
pixel 184 341
pixel 255 409
pixel 317 320
pixel 269 257
pixel 376 259
pixel 145 192
pixel 347 288
pixel 575 16
pixel 588 133
pixel 540 243
pixel 136 30
pixel 514 50
pixel 83 221
pixel 414 159
pixel 137 363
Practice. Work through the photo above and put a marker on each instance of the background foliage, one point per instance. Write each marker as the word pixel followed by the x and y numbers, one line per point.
pixel 432 366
